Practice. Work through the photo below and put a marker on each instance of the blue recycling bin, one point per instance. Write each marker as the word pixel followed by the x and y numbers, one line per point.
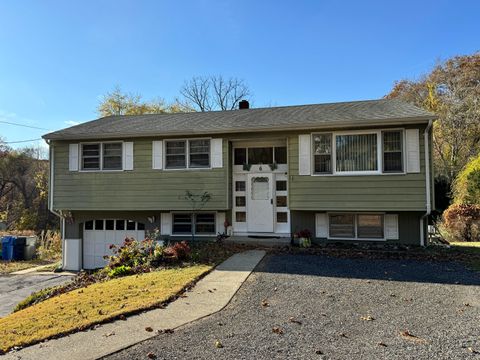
pixel 7 247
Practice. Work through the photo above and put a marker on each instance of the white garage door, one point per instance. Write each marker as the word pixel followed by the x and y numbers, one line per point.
pixel 98 235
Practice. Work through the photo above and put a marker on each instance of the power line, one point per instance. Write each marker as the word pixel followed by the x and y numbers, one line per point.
pixel 21 141
pixel 27 126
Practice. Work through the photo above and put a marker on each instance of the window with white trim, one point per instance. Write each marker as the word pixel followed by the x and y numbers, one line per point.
pixel 199 153
pixel 392 151
pixel 102 156
pixel 112 156
pixel 91 156
pixel 187 154
pixel 201 224
pixel 356 226
pixel 362 152
pixel 322 153
pixel 356 153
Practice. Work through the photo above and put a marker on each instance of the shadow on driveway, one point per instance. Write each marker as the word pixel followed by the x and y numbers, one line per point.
pixel 374 269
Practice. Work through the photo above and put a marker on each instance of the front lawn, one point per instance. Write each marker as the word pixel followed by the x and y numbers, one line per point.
pixel 100 302
pixel 7 267
pixel 472 248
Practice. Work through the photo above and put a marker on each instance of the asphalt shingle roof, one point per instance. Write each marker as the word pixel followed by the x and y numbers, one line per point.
pixel 352 114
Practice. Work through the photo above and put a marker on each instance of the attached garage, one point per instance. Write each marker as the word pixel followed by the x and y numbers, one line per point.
pixel 99 234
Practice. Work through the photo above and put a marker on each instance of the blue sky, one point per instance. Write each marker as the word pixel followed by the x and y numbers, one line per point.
pixel 57 58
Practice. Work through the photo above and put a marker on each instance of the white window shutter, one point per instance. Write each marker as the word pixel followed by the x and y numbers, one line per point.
pixel 220 222
pixel 128 156
pixel 166 224
pixel 391 227
pixel 73 153
pixel 157 154
pixel 413 150
pixel 321 225
pixel 216 153
pixel 304 154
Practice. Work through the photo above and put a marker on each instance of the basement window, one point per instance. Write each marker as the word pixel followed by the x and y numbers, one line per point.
pixel 201 224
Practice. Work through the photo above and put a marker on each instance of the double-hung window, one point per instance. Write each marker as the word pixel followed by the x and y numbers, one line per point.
pixel 91 155
pixel 358 153
pixel 102 156
pixel 392 151
pixel 176 154
pixel 183 154
pixel 199 153
pixel 112 156
pixel 322 153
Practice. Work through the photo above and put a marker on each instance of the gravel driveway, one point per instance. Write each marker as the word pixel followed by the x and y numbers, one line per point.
pixel 15 288
pixel 345 308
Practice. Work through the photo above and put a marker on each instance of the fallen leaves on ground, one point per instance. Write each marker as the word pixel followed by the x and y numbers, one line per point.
pixel 218 344
pixel 409 336
pixel 265 303
pixel 367 318
pixel 473 351
pixel 148 329
pixel 382 344
pixel 295 321
pixel 278 330
pixel 151 355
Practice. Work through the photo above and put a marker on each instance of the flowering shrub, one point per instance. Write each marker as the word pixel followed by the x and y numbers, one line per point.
pixel 461 222
pixel 140 256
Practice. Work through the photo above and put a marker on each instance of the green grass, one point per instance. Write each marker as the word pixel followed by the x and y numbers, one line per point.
pixel 469 248
pixel 100 302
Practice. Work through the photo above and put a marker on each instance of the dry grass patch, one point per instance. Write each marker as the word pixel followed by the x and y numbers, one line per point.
pixel 7 267
pixel 100 302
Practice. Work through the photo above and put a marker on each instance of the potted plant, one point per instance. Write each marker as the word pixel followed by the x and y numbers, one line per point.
pixel 303 238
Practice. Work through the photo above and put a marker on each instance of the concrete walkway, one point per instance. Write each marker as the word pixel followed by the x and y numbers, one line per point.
pixel 210 295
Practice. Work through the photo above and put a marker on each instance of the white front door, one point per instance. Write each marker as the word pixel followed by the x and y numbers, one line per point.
pixel 260 203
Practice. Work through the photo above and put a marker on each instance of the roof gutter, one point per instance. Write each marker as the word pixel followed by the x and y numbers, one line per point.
pixel 428 199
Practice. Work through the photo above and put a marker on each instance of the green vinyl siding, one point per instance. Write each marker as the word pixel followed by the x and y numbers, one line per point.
pixel 140 189
pixel 392 192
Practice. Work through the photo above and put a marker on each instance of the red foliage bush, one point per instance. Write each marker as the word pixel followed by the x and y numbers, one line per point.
pixel 179 250
pixel 461 222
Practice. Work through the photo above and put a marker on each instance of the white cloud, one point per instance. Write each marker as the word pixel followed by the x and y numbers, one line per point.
pixel 71 122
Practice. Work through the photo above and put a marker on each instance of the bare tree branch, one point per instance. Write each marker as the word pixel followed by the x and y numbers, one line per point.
pixel 209 93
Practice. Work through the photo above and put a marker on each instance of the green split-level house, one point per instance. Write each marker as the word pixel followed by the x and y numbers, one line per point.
pixel 353 171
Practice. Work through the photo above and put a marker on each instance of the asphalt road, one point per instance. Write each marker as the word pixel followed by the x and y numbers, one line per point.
pixel 316 307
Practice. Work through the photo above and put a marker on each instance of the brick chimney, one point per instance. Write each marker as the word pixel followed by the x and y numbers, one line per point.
pixel 243 105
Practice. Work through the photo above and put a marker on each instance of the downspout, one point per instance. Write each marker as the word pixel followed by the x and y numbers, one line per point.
pixel 50 198
pixel 426 135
